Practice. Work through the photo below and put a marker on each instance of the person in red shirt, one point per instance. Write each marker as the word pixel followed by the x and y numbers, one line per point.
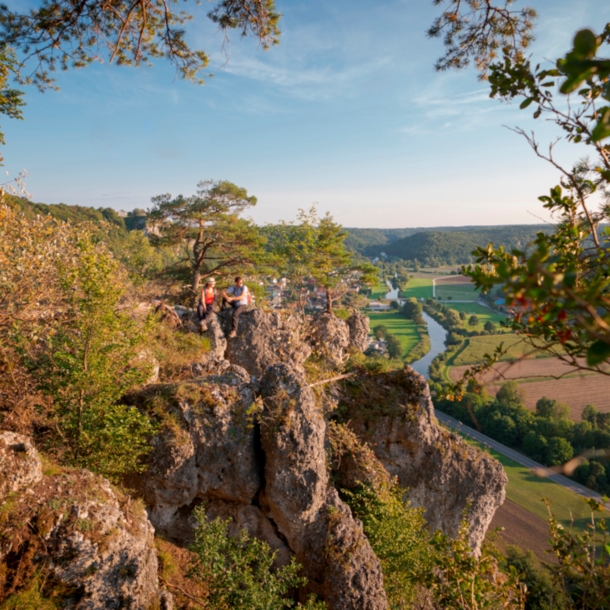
pixel 205 309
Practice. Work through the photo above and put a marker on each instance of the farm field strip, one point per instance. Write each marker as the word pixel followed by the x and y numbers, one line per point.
pixel 398 325
pixel 486 344
pixel 483 313
pixel 536 378
pixel 419 288
pixel 577 392
pixel 453 279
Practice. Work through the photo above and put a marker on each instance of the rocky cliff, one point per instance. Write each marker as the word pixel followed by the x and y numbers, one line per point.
pixel 250 439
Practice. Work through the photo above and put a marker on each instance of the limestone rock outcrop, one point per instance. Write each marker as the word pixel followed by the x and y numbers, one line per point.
pixel 75 530
pixel 20 464
pixel 265 338
pixel 393 413
pixel 329 337
pixel 320 529
pixel 359 328
pixel 207 450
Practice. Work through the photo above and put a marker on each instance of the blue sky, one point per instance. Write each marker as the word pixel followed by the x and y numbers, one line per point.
pixel 347 111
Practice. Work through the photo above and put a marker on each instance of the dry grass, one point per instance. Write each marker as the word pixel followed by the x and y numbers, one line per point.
pixel 174 565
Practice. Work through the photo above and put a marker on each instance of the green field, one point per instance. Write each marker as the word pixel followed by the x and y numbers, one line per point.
pixel 483 313
pixel 476 347
pixel 527 490
pixel 398 325
pixel 419 288
pixel 457 292
pixel 379 292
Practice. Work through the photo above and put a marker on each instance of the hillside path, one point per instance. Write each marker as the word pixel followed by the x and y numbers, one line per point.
pixel 458 426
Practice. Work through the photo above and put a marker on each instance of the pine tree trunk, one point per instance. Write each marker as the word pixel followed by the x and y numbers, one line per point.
pixel 329 302
pixel 195 285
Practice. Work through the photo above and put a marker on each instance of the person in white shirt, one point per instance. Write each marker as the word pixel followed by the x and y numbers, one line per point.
pixel 238 297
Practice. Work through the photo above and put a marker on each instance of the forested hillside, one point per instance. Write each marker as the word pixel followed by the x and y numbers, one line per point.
pixel 455 247
pixel 71 213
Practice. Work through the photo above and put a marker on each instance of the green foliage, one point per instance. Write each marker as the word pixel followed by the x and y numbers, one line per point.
pixel 455 247
pixel 461 580
pixel 398 535
pixel 559 451
pixel 206 232
pixel 11 100
pixel 559 284
pixel 238 571
pixel 541 593
pixel 380 331
pixel 473 320
pixel 584 571
pixel 91 359
pixel 32 597
pixel 141 260
pixel 412 310
pixel 394 346
pixel 62 34
pixel 312 251
pixel 474 31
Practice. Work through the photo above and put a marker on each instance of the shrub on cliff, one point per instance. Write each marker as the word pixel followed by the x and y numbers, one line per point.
pixel 238 571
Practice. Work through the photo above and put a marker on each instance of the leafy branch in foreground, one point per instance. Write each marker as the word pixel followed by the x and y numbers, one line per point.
pixel 476 30
pixel 66 34
pixel 558 288
pixel 583 572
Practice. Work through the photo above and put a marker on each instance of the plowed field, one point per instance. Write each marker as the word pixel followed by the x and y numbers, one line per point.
pixel 521 528
pixel 578 390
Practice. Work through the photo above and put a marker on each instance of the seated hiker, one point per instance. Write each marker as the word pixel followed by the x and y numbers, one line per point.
pixel 205 309
pixel 238 297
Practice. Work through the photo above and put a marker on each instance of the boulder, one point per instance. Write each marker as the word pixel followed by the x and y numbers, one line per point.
pixel 265 338
pixel 320 529
pixel 393 413
pixel 329 337
pixel 93 545
pixel 359 329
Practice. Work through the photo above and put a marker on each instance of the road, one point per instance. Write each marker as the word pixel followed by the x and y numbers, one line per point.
pixel 458 426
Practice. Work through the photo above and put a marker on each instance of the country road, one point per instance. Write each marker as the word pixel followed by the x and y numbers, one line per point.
pixel 458 426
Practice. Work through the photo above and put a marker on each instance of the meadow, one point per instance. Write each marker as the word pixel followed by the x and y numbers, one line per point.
pixel 398 325
pixel 419 288
pixel 379 292
pixel 526 490
pixel 474 349
pixel 483 313
pixel 456 292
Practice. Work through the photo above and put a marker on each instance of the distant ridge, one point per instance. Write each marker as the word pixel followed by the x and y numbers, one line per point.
pixel 449 245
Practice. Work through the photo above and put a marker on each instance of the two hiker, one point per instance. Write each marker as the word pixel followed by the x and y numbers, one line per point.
pixel 237 297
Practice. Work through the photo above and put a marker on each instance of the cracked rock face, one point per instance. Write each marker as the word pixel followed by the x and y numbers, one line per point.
pixel 264 339
pixel 330 338
pixel 359 329
pixel 393 413
pixel 208 449
pixel 97 544
pixel 320 529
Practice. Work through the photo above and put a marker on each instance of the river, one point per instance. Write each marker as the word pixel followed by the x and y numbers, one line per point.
pixel 437 345
pixel 393 294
